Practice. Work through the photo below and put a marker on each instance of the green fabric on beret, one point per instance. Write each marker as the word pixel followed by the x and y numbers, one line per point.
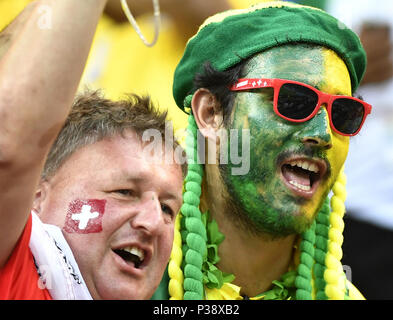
pixel 227 38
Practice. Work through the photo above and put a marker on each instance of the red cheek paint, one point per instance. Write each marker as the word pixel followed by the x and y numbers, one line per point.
pixel 85 216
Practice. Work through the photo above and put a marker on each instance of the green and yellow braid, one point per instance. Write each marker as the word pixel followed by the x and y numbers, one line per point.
pixel 325 258
pixel 334 274
pixel 320 248
pixel 175 287
pixel 303 280
pixel 194 247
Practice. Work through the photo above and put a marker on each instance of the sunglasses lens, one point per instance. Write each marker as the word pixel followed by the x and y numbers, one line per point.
pixel 347 115
pixel 295 101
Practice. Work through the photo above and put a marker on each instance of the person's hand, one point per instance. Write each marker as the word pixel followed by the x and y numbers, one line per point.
pixel 376 41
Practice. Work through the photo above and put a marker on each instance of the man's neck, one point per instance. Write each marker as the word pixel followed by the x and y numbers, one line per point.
pixel 255 260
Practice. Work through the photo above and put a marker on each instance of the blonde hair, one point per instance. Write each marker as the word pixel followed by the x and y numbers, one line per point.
pixel 93 117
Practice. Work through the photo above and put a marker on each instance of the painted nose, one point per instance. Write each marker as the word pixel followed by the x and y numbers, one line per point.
pixel 149 217
pixel 317 132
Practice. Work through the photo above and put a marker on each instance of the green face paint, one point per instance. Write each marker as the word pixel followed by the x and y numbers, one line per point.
pixel 261 194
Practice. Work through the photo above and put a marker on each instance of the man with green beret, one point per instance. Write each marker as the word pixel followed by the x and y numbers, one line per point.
pixel 279 77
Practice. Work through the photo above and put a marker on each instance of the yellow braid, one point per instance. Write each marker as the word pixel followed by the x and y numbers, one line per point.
pixel 175 272
pixel 335 281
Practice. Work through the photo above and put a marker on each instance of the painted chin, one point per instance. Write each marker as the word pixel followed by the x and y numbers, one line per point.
pixel 302 176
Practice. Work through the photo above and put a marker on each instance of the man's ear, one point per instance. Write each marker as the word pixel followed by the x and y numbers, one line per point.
pixel 207 113
pixel 40 196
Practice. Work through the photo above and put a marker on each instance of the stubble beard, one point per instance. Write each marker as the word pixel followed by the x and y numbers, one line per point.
pixel 235 211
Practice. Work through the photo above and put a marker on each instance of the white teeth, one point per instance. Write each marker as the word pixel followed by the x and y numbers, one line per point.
pixel 314 168
pixel 306 165
pixel 136 251
pixel 300 186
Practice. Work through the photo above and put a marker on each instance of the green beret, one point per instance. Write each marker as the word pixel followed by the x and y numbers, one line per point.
pixel 227 38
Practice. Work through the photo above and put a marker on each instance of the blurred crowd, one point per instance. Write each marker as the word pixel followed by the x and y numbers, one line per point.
pixel 369 166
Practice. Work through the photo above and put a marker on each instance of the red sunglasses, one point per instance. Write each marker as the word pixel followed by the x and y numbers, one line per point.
pixel 298 102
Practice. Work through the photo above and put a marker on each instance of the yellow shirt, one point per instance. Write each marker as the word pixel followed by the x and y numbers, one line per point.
pixel 9 9
pixel 232 292
pixel 120 63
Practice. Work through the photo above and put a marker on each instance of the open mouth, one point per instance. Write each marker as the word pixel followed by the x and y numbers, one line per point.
pixel 303 176
pixel 131 255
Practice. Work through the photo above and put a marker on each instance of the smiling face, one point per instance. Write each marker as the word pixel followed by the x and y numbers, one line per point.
pixel 277 196
pixel 116 207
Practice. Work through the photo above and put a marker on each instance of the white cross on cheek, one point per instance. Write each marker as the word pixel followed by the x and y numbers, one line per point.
pixel 84 216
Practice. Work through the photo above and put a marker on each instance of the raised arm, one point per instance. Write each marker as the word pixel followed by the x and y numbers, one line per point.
pixel 39 77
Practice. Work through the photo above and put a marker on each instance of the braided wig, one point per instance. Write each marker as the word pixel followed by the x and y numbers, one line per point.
pixel 226 39
pixel 320 274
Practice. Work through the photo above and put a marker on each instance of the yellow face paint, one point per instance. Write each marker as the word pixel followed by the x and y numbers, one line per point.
pixel 265 194
pixel 336 80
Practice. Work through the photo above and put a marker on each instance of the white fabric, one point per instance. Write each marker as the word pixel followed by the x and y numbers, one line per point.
pixel 55 262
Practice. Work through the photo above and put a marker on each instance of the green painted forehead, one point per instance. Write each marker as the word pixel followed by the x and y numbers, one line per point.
pixel 314 65
pixel 304 63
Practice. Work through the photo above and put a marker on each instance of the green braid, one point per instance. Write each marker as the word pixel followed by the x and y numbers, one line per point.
pixel 304 274
pixel 321 244
pixel 194 235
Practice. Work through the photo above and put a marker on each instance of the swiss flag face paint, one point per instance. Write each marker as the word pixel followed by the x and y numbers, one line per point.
pixel 85 216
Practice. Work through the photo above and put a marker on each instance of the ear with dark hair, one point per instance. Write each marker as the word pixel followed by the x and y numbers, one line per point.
pixel 207 112
pixel 218 83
